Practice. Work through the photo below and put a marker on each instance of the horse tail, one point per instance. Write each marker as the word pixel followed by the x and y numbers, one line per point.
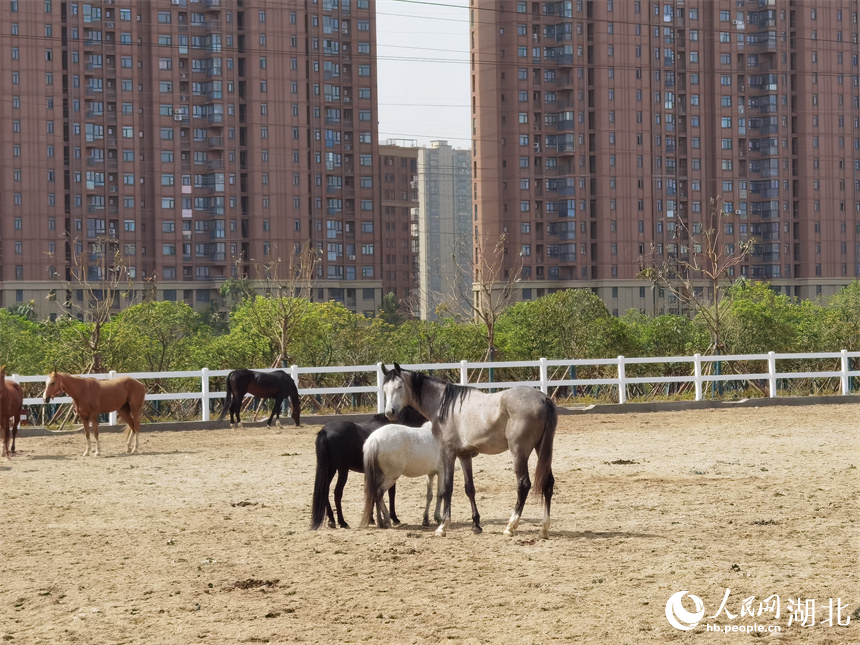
pixel 373 477
pixel 295 403
pixel 227 400
pixel 544 480
pixel 126 409
pixel 321 482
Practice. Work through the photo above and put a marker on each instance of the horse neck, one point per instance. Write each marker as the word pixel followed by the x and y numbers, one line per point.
pixel 431 399
pixel 68 383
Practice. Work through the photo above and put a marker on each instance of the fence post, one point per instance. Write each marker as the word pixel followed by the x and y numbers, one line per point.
pixel 843 360
pixel 294 372
pixel 771 374
pixel 380 396
pixel 543 377
pixel 622 385
pixel 112 415
pixel 204 398
pixel 697 375
pixel 464 373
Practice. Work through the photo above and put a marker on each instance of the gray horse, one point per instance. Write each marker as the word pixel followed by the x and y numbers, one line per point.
pixel 468 422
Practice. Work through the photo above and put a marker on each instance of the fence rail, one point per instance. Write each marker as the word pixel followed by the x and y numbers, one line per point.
pixel 695 370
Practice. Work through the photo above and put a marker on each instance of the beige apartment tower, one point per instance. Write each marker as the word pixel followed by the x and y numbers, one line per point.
pixel 444 225
pixel 200 138
pixel 598 126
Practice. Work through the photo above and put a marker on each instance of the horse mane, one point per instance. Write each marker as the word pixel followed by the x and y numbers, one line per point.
pixel 452 394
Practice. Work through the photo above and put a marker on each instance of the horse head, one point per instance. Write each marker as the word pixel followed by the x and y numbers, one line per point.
pixel 52 386
pixel 395 392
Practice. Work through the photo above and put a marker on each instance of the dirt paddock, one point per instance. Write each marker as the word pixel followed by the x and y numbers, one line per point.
pixel 203 538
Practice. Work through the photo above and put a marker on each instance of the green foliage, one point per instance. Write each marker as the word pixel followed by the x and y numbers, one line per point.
pixel 22 346
pixel 757 320
pixel 567 324
pixel 666 335
pixel 169 336
pixel 390 312
pixel 156 337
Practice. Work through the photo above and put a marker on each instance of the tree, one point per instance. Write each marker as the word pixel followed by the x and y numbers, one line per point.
pixel 156 337
pixel 491 291
pixel 101 279
pixel 566 324
pixel 22 344
pixel 390 310
pixel 756 320
pixel 288 285
pixel 700 268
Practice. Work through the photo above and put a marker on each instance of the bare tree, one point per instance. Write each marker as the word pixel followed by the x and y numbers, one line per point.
pixel 101 277
pixel 287 285
pixel 492 288
pixel 701 268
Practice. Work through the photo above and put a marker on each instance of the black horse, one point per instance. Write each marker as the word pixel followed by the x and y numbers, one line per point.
pixel 276 385
pixel 339 450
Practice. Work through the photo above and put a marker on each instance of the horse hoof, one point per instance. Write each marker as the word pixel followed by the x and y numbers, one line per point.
pixel 395 521
pixel 440 532
pixel 343 526
pixel 543 534
pixel 425 522
pixel 477 530
pixel 509 533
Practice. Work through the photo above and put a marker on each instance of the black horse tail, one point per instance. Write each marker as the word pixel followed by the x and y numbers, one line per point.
pixel 373 478
pixel 544 481
pixel 228 400
pixel 321 482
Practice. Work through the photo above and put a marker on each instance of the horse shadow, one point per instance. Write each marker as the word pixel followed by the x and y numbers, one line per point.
pixel 525 532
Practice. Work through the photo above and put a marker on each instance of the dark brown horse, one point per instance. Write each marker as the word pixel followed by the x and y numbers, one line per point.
pixel 276 385
pixel 92 397
pixel 11 407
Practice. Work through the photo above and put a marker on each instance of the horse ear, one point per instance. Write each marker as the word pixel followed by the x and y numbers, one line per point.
pixel 385 372
pixel 397 369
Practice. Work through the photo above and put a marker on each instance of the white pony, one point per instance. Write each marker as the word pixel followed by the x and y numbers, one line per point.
pixel 394 450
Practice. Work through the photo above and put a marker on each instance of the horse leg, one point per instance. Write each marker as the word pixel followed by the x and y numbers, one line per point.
pixel 466 465
pixel 384 521
pixel 4 431
pixel 437 512
pixel 276 412
pixel 447 488
pixel 391 493
pixel 426 519
pixel 86 423
pixel 342 475
pixel 524 484
pixel 95 424
pixel 17 420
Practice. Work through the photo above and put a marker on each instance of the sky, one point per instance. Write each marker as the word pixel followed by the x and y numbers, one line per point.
pixel 423 71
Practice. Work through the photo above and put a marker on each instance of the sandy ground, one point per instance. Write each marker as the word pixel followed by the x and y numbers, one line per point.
pixel 203 538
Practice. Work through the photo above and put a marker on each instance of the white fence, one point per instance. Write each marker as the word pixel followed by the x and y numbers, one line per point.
pixel 698 374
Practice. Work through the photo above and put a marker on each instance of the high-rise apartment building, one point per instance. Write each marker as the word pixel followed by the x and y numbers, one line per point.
pixel 444 225
pixel 598 126
pixel 398 168
pixel 196 137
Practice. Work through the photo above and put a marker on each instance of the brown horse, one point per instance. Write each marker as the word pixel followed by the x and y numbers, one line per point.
pixel 11 407
pixel 93 397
